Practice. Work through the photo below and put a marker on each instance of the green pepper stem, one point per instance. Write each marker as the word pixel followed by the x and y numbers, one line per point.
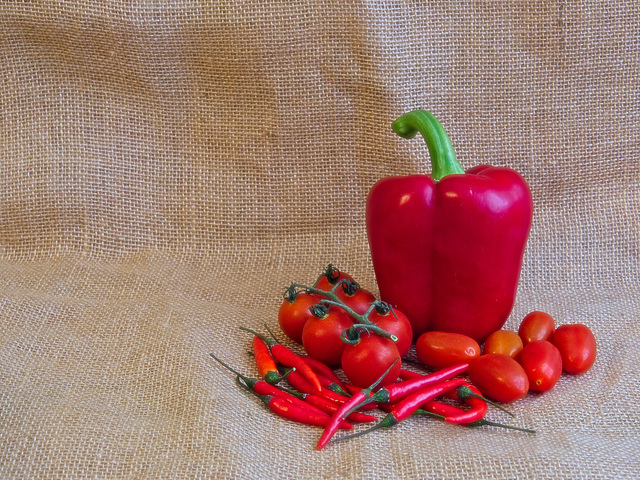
pixel 387 422
pixel 248 381
pixel 489 423
pixel 443 157
pixel 465 392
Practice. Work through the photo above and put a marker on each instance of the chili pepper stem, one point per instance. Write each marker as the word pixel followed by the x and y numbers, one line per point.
pixel 482 422
pixel 427 413
pixel 270 342
pixel 465 392
pixel 248 381
pixel 477 423
pixel 387 422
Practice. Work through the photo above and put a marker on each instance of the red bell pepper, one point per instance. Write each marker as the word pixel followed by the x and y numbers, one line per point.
pixel 447 249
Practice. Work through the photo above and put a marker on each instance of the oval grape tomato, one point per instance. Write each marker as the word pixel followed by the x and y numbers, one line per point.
pixel 536 326
pixel 577 347
pixel 499 377
pixel 505 342
pixel 542 362
pixel 445 349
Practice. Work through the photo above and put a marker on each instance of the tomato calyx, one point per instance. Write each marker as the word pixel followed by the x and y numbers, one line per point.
pixel 349 287
pixel 383 308
pixel 319 311
pixel 290 293
pixel 331 273
pixel 329 277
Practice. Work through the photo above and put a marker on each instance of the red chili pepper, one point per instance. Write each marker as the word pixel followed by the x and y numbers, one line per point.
pixel 323 370
pixel 330 408
pixel 444 410
pixel 300 383
pixel 478 407
pixel 397 391
pixel 465 237
pixel 352 389
pixel 409 375
pixel 471 418
pixel 441 409
pixel 287 358
pixel 347 408
pixel 406 407
pixel 263 388
pixel 289 410
pixel 267 367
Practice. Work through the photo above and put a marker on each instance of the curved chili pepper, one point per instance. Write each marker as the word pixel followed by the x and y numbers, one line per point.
pixel 397 391
pixel 287 358
pixel 300 383
pixel 478 407
pixel 267 367
pixel 289 410
pixel 330 408
pixel 440 409
pixel 475 417
pixel 263 388
pixel 444 410
pixel 347 408
pixel 323 370
pixel 406 407
pixel 465 391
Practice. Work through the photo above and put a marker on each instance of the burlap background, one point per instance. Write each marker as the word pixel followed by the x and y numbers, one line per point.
pixel 168 167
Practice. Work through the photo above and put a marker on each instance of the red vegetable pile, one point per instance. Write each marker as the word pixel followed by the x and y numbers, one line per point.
pixel 352 364
pixel 447 249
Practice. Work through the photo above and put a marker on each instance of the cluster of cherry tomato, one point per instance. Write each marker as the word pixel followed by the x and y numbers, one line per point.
pixel 343 325
pixel 512 364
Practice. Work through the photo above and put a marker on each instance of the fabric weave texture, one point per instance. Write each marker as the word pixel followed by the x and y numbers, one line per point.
pixel 170 167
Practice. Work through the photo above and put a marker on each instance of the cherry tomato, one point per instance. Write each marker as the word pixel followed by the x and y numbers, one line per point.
pixel 444 349
pixel 577 347
pixel 330 277
pixel 396 323
pixel 536 326
pixel 542 362
pixel 355 297
pixel 321 335
pixel 293 315
pixel 364 362
pixel 499 377
pixel 505 342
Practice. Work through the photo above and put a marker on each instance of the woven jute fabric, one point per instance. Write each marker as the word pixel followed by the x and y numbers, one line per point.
pixel 168 168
